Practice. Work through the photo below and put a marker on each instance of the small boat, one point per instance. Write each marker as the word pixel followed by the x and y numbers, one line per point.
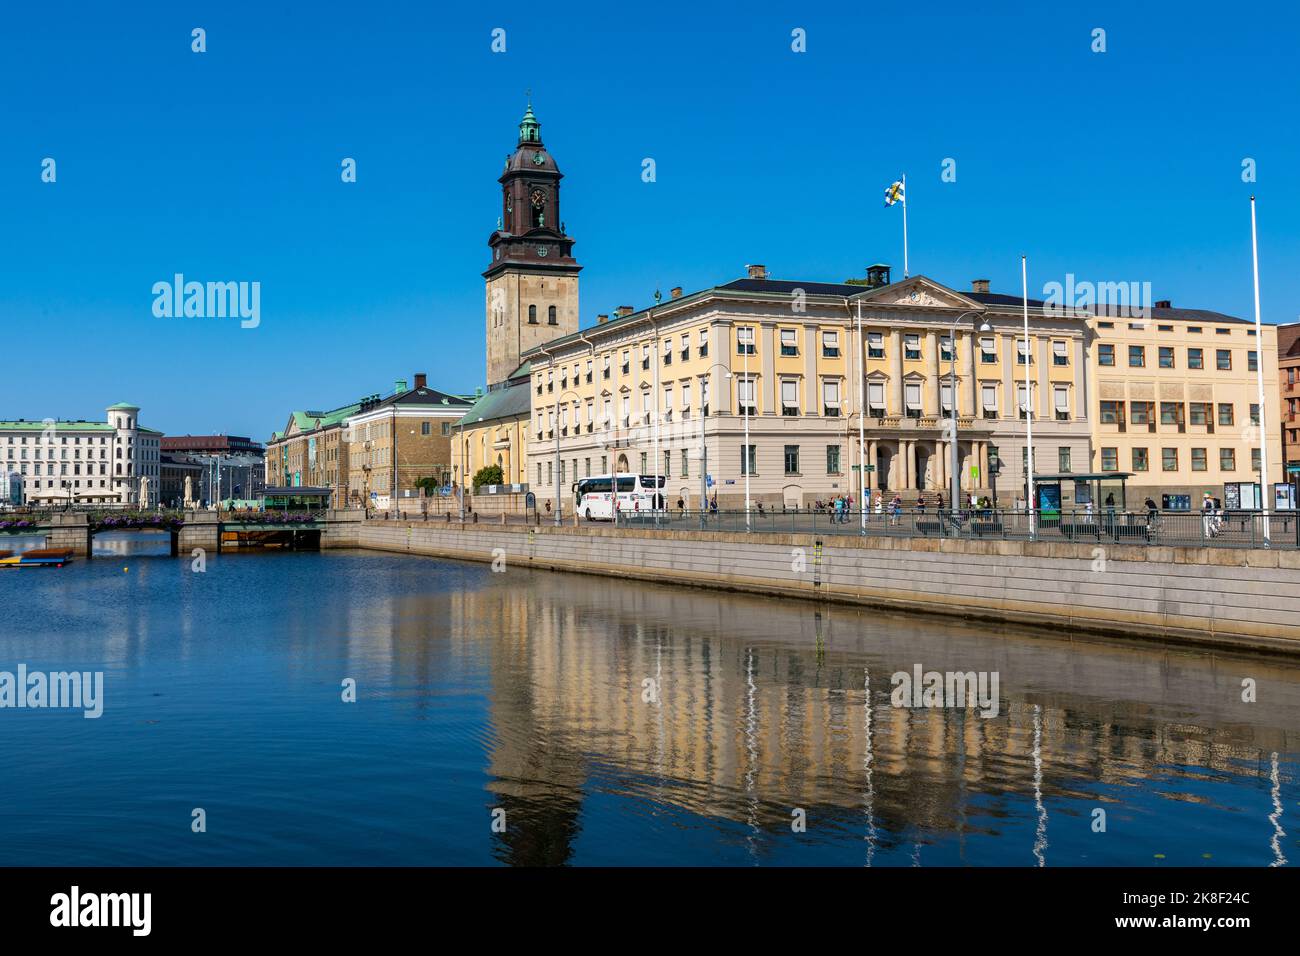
pixel 36 558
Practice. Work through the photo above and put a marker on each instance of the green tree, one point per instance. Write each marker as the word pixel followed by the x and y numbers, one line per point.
pixel 489 475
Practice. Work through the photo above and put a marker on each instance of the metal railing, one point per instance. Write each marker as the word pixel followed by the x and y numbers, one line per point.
pixel 1221 529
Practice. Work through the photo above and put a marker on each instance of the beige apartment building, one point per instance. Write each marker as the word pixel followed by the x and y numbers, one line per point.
pixel 797 364
pixel 311 452
pixel 1177 405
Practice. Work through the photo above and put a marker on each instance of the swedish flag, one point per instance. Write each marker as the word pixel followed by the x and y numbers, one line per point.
pixel 894 193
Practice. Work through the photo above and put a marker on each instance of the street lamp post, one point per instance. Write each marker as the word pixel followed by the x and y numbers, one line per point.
pixel 745 458
pixel 954 457
pixel 559 399
pixel 704 443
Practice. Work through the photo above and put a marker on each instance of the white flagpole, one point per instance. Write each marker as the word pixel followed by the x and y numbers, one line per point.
pixel 862 438
pixel 1029 405
pixel 904 181
pixel 1259 374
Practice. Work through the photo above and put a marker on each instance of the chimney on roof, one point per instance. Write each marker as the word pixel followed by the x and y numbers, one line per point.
pixel 623 310
pixel 757 272
pixel 1164 304
pixel 979 285
pixel 399 386
pixel 421 380
pixel 675 292
pixel 602 319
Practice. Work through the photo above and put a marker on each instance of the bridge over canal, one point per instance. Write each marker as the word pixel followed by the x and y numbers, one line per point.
pixel 212 531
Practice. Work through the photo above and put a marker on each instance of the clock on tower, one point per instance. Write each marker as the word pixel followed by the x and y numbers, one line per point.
pixel 532 281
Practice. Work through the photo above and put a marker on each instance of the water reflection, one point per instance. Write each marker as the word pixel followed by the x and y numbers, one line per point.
pixel 764 706
pixel 613 722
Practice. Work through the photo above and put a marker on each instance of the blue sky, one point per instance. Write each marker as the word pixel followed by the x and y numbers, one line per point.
pixel 224 166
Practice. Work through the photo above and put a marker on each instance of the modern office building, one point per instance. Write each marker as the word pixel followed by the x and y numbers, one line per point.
pixel 1177 404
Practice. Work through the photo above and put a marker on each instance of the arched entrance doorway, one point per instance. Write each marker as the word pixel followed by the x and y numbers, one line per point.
pixel 621 467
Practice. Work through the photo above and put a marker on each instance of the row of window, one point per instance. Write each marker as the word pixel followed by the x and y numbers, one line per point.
pixel 63 440
pixel 1166 357
pixel 1141 459
pixel 551 317
pixel 582 371
pixel 1171 413
pixel 20 467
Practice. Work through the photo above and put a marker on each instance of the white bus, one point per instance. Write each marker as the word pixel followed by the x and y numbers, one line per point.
pixel 593 497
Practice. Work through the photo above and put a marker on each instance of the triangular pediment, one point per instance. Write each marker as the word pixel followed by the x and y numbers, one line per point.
pixel 918 292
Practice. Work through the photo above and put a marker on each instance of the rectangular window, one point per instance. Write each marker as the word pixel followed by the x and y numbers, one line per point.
pixel 988 351
pixel 1022 353
pixel 830 345
pixel 1140 413
pixel 1063 460
pixel 1254 459
pixel 1198 459
pixel 1106 355
pixel 1169 459
pixel 748 459
pixel 989 400
pixel 1112 413
pixel 789 342
pixel 912 399
pixel 745 396
pixel 792 459
pixel 945 398
pixel 1223 359
pixel 1140 462
pixel 745 340
pixel 912 347
pixel 1060 355
pixel 1227 459
pixel 875 345
pixel 426 429
pixel 1061 402
pixel 668 351
pixel 945 348
pixel 1252 361
pixel 1137 356
pixel 876 399
pixel 1198 413
pixel 1196 358
pixel 1166 357
pixel 1171 413
pixel 1110 459
pixel 789 397
pixel 831 397
pixel 832 459
pixel 1254 413
pixel 1225 413
pixel 446 429
pixel 645 465
pixel 1022 400
pixel 686 396
pixel 686 468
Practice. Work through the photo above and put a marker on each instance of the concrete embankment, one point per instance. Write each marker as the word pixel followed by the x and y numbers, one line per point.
pixel 1208 596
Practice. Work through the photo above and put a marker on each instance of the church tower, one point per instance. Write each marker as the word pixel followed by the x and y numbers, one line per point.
pixel 532 283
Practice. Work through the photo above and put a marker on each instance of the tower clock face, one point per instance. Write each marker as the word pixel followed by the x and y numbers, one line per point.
pixel 538 198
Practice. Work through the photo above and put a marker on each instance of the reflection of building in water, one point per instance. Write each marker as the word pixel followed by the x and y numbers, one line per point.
pixel 660 693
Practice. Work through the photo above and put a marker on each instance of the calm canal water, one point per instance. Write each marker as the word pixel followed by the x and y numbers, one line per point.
pixel 525 692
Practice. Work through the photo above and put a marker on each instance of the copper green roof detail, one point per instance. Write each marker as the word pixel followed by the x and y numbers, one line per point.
pixel 501 403
pixel 122 406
